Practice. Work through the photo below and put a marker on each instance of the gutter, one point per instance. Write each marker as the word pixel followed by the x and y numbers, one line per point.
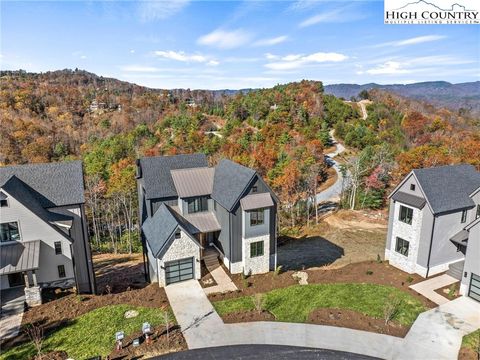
pixel 431 243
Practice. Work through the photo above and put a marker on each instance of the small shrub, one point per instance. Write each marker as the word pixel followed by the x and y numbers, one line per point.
pixel 245 283
pixel 80 298
pixel 369 272
pixel 278 270
pixel 35 334
pixel 259 302
pixel 391 308
pixel 452 291
pixel 409 279
pixel 379 259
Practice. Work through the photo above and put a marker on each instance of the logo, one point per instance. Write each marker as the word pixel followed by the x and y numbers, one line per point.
pixel 432 12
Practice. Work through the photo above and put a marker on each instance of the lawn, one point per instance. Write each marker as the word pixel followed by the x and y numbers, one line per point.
pixel 294 304
pixel 92 333
pixel 472 341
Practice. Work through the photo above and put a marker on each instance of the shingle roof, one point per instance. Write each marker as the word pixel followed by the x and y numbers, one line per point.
pixel 159 228
pixel 256 201
pixel 21 256
pixel 193 182
pixel 53 184
pixel 409 199
pixel 156 174
pixel 447 188
pixel 230 181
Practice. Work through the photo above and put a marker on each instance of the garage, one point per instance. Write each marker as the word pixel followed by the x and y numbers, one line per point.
pixel 474 291
pixel 179 270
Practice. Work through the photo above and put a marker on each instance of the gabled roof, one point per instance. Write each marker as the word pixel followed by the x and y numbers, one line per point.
pixel 230 181
pixel 193 182
pixel 20 191
pixel 53 184
pixel 447 188
pixel 156 175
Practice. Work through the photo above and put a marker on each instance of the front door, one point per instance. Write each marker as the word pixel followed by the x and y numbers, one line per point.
pixel 474 291
pixel 16 279
pixel 178 270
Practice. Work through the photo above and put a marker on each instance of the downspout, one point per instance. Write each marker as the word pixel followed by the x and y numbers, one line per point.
pixel 88 259
pixel 431 243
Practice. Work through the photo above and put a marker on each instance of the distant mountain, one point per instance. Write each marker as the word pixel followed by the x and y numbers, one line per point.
pixel 439 93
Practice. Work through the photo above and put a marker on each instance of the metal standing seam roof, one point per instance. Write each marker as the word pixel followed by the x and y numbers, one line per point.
pixel 193 182
pixel 18 257
pixel 256 201
pixel 447 188
pixel 409 199
pixel 53 184
pixel 156 174
pixel 204 221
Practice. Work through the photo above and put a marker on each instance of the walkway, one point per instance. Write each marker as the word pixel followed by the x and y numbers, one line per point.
pixel 224 283
pixel 427 288
pixel 437 333
pixel 12 301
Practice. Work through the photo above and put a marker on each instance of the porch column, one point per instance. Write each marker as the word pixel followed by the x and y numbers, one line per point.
pixel 34 276
pixel 27 280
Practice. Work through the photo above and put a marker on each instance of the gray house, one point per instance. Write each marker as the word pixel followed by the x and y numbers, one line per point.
pixel 190 211
pixel 43 230
pixel 433 224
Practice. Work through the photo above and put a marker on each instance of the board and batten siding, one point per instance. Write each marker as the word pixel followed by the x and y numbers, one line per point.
pixel 472 263
pixel 31 227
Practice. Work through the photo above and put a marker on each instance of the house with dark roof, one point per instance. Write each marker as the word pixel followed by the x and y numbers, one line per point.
pixel 433 224
pixel 43 229
pixel 191 212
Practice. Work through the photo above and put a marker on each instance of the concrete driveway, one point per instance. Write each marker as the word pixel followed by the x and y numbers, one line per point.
pixel 12 307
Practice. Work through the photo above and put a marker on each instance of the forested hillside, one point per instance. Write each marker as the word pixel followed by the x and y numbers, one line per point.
pixel 282 132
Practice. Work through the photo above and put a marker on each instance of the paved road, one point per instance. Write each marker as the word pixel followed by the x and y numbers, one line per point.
pixel 12 301
pixel 262 352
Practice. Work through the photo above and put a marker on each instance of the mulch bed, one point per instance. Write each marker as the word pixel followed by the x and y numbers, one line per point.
pixel 247 316
pixel 446 291
pixel 467 354
pixel 355 320
pixel 373 272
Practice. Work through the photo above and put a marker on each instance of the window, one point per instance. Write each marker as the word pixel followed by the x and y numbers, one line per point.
pixel 197 205
pixel 256 217
pixel 178 234
pixel 9 232
pixel 61 271
pixel 254 189
pixel 256 249
pixel 478 212
pixel 402 246
pixel 464 216
pixel 3 203
pixel 412 187
pixel 58 247
pixel 406 214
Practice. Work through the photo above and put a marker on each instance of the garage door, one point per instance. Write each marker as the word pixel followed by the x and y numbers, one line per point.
pixel 474 291
pixel 179 270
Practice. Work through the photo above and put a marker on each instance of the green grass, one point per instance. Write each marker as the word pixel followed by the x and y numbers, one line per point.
pixel 295 303
pixel 472 340
pixel 92 333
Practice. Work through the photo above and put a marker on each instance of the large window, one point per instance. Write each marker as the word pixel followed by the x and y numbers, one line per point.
pixel 257 217
pixel 256 249
pixel 197 205
pixel 464 216
pixel 9 232
pixel 406 214
pixel 402 246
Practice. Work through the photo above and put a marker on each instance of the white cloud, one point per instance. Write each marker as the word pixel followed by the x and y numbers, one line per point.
pixel 132 51
pixel 388 68
pixel 225 39
pixel 184 57
pixel 160 9
pixel 342 14
pixel 295 61
pixel 271 56
pixel 301 5
pixel 271 41
pixel 413 41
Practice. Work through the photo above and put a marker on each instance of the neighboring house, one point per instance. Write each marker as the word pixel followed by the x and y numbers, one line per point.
pixel 433 224
pixel 188 210
pixel 43 230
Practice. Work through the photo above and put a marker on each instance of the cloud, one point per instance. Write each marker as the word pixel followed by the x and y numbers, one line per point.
pixel 301 5
pixel 225 39
pixel 339 15
pixel 413 41
pixel 184 57
pixel 271 41
pixel 295 61
pixel 132 51
pixel 388 68
pixel 150 10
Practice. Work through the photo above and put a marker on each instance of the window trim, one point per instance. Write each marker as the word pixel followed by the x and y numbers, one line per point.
pixel 55 248
pixel 407 209
pixel 64 271
pixel 463 220
pixel 4 201
pixel 19 232
pixel 197 200
pixel 255 247
pixel 398 249
pixel 254 189
pixel 257 221
pixel 412 187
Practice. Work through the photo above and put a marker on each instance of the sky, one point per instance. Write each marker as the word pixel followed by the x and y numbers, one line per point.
pixel 233 44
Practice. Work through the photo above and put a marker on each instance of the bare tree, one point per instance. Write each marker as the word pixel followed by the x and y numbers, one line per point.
pixel 35 334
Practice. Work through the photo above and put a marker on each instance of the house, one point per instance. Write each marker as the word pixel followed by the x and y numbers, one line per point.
pixel 43 229
pixel 433 224
pixel 189 210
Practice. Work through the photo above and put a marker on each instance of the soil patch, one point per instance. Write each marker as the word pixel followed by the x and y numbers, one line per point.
pixel 467 354
pixel 355 320
pixel 373 272
pixel 247 316
pixel 450 292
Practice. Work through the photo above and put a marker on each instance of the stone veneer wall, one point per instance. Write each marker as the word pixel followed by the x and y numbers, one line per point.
pixel 33 296
pixel 411 233
pixel 258 264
